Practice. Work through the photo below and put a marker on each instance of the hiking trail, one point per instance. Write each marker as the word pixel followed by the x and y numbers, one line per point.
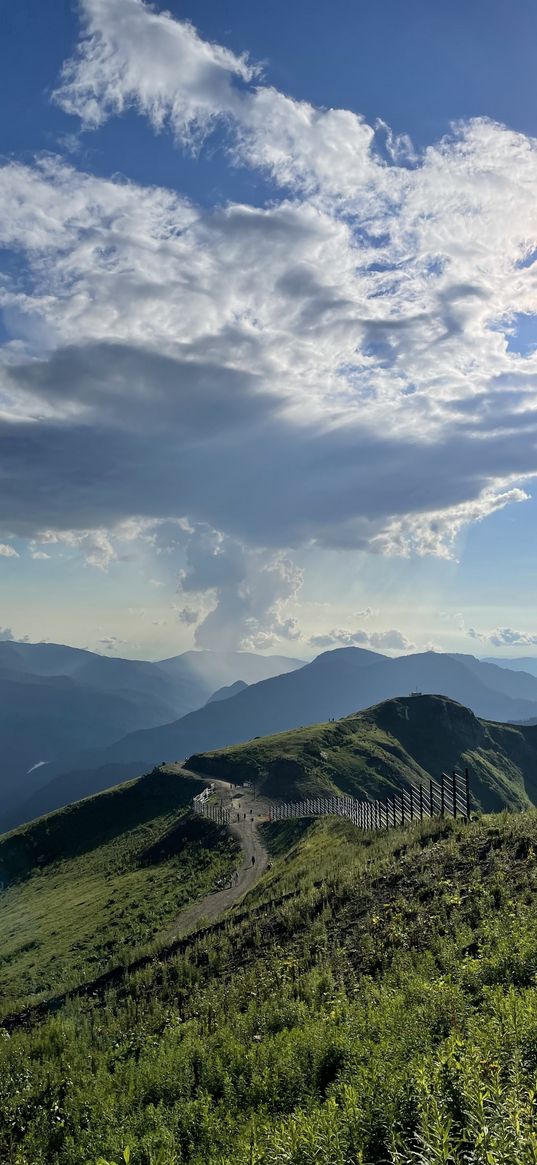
pixel 250 811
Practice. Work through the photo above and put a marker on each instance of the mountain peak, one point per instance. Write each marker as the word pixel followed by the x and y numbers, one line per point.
pixel 430 726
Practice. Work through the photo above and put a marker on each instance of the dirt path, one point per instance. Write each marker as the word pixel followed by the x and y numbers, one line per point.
pixel 246 813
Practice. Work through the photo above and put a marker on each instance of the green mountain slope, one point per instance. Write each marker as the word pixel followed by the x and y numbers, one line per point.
pixel 372 753
pixel 89 886
pixel 372 1001
pixel 337 683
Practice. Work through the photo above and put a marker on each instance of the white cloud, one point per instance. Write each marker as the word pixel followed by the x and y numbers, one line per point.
pixel 39 555
pixel 250 590
pixel 131 55
pixel 329 369
pixel 94 546
pixel 134 57
pixel 504 637
pixel 391 640
pixel 7 551
pixel 436 533
pixel 271 374
pixel 188 615
pixel 6 635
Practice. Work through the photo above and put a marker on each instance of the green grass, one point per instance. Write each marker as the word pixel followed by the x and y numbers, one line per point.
pixel 133 858
pixel 373 1001
pixel 373 753
pixel 349 755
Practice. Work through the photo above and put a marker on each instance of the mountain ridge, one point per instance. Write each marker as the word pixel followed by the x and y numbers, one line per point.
pixel 335 684
pixel 378 751
pixel 56 702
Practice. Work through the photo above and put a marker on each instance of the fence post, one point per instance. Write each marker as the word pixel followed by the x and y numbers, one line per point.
pixel 467 790
pixel 402 808
pixel 421 802
pixel 431 802
pixel 394 814
pixel 454 793
pixel 411 803
pixel 442 804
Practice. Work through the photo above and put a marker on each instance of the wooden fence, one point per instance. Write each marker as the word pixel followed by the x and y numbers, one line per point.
pixel 448 797
pixel 214 813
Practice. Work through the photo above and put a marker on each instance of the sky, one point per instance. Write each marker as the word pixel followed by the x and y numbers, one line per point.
pixel 268 325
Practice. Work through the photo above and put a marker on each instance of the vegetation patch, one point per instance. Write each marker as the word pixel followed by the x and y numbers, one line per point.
pixel 372 1001
pixel 372 754
pixel 134 857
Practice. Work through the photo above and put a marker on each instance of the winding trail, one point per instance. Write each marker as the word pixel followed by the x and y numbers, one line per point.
pixel 177 937
pixel 247 812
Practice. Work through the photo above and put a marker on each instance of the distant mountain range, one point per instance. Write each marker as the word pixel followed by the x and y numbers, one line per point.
pixel 376 752
pixel 527 663
pixel 370 754
pixel 337 683
pixel 57 701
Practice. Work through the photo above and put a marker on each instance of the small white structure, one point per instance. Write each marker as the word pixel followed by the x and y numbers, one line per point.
pixel 202 797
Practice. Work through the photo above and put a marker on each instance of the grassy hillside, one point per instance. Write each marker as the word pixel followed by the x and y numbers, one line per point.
pixel 374 1001
pixel 337 683
pixel 374 752
pixel 90 885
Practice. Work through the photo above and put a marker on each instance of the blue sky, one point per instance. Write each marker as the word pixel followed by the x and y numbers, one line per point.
pixel 268 325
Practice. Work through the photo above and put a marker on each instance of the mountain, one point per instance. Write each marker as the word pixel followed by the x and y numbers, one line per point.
pixel 337 683
pixel 58 701
pixel 44 718
pixel 230 690
pixel 114 868
pixel 177 685
pixel 526 663
pixel 378 751
pixel 371 999
pixel 216 669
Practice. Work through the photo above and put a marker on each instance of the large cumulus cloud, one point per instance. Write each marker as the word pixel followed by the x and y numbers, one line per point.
pixel 333 368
